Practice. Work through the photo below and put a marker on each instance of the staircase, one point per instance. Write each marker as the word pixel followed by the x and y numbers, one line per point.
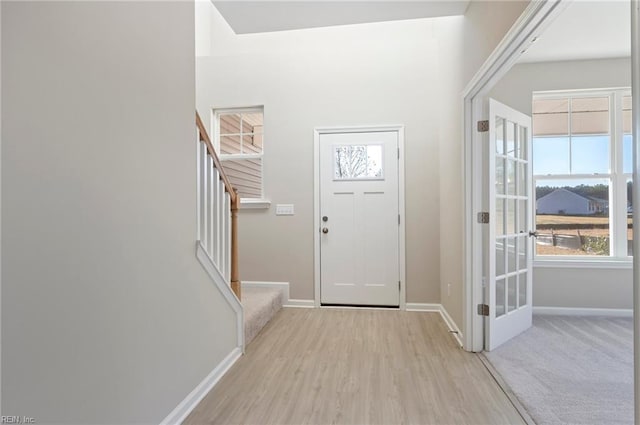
pixel 260 305
pixel 217 245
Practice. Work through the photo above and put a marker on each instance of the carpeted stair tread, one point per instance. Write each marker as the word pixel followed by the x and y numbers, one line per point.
pixel 260 305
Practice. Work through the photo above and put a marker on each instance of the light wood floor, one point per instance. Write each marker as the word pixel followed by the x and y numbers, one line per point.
pixel 331 366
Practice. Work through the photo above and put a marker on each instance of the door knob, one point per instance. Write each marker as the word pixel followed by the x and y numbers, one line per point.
pixel 534 234
pixel 325 230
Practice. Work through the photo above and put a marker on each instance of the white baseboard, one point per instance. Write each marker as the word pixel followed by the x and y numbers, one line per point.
pixel 190 402
pixel 282 286
pixel 439 308
pixel 358 307
pixel 453 328
pixel 568 311
pixel 423 307
pixel 225 289
pixel 300 303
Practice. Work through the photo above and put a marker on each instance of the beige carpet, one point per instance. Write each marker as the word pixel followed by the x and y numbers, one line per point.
pixel 571 370
pixel 260 305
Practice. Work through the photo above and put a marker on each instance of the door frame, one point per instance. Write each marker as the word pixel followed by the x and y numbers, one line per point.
pixel 319 131
pixel 533 21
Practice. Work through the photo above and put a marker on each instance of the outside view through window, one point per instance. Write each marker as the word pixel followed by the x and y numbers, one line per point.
pixel 239 134
pixel 582 174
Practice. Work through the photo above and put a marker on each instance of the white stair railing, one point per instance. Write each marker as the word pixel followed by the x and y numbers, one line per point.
pixel 217 211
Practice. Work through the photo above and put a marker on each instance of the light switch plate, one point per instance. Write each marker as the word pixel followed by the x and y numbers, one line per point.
pixel 284 209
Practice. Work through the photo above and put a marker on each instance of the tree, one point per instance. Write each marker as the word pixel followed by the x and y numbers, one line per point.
pixel 351 161
pixel 544 191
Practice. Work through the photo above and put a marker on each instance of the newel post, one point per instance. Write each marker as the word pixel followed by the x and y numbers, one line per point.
pixel 235 278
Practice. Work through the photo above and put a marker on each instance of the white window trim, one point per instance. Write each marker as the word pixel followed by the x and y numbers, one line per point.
pixel 583 262
pixel 245 203
pixel 254 204
pixel 618 221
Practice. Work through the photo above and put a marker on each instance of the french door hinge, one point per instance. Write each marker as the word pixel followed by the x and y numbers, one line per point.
pixel 398 153
pixel 398 219
pixel 483 309
pixel 399 286
pixel 483 217
pixel 483 126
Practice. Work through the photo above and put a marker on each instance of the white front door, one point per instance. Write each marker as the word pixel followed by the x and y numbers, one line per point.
pixel 359 219
pixel 510 211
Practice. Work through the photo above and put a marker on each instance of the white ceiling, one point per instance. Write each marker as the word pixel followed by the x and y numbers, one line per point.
pixel 585 30
pixel 263 16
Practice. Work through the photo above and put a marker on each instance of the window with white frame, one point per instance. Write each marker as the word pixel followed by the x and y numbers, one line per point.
pixel 239 138
pixel 582 173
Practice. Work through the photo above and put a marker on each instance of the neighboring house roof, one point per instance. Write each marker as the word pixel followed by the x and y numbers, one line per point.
pixel 564 201
pixel 561 190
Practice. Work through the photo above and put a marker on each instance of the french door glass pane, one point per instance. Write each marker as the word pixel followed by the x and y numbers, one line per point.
pixel 499 136
pixel 500 297
pixel 522 252
pixel 500 223
pixel 522 289
pixel 511 255
pixel 523 143
pixel 511 292
pixel 500 257
pixel 511 139
pixel 522 178
pixel 511 216
pixel 523 226
pixel 500 176
pixel 511 177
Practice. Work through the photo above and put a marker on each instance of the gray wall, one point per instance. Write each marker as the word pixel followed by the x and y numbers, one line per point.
pixel 484 25
pixel 406 72
pixel 582 287
pixel 575 286
pixel 107 317
pixel 384 73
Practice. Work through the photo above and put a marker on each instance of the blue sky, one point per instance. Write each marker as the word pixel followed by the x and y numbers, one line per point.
pixel 589 155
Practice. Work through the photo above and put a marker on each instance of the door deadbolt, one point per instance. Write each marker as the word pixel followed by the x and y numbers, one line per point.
pixel 325 218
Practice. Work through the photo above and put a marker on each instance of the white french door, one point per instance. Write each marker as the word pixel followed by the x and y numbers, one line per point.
pixel 359 218
pixel 510 210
